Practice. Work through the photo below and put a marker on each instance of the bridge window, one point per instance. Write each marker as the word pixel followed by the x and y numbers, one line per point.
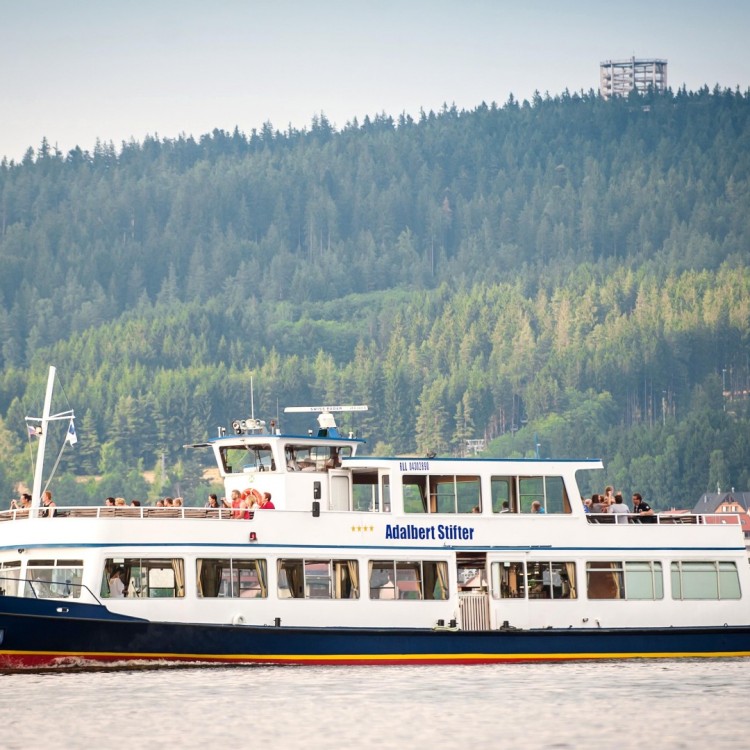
pixel 408 579
pixel 315 457
pixel 232 578
pixel 242 459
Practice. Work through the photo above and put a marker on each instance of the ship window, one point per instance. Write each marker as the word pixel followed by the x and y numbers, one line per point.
pixel 54 579
pixel 548 491
pixel 365 492
pixel 232 578
pixel 536 579
pixel 315 457
pixel 408 579
pixel 446 493
pixel 624 580
pixel 705 580
pixel 10 573
pixel 503 500
pixel 146 577
pixel 508 580
pixel 318 579
pixel 241 459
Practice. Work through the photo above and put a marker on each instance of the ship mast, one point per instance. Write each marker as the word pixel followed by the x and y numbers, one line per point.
pixel 36 492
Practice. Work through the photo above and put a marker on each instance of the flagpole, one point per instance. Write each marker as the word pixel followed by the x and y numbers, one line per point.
pixel 36 492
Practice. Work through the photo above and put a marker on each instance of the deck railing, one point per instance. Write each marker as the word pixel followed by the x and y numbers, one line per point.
pixel 665 518
pixel 108 511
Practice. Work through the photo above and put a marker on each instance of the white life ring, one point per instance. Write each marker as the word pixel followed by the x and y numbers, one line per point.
pixel 238 619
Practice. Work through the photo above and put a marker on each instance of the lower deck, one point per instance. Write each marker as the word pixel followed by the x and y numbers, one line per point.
pixel 313 585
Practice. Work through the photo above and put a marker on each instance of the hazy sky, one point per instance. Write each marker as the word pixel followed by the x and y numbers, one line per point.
pixel 78 70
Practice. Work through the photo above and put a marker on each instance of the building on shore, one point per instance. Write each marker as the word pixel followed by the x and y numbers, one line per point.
pixel 620 77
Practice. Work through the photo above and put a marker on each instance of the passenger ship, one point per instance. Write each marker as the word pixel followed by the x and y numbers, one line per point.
pixel 367 560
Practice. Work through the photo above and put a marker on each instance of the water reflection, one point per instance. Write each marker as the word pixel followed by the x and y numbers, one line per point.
pixel 669 704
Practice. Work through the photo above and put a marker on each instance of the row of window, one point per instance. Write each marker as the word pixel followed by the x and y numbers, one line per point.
pixel 238 459
pixel 615 580
pixel 386 579
pixel 439 493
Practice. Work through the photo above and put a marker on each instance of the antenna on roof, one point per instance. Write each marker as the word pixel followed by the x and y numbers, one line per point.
pixel 252 400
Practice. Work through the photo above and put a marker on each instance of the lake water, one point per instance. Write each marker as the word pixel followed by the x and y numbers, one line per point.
pixel 642 704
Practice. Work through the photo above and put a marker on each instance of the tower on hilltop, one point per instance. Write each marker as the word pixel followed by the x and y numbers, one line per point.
pixel 620 77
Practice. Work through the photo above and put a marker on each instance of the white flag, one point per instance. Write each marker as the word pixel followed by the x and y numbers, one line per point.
pixel 71 437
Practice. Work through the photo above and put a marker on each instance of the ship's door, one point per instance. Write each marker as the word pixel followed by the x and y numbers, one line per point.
pixel 340 490
pixel 473 591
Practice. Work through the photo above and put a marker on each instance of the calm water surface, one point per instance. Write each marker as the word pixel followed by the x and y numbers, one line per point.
pixel 649 704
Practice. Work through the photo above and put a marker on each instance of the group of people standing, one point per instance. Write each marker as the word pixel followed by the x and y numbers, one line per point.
pixel 612 502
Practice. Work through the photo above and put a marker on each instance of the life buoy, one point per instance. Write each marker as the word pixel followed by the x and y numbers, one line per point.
pixel 238 619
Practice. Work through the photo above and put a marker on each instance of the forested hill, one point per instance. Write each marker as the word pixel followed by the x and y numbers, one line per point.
pixel 566 273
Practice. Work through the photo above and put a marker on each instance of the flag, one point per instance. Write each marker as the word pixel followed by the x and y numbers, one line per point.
pixel 71 437
pixel 34 431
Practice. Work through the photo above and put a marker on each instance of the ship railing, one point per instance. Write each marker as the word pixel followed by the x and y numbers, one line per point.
pixel 108 511
pixel 690 519
pixel 40 589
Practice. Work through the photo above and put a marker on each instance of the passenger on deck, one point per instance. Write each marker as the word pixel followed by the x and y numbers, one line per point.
pixel 212 502
pixel 120 501
pixel 644 511
pixel 536 507
pixel 266 503
pixel 586 504
pixel 236 504
pixel 609 495
pixel 49 505
pixel 598 505
pixel 109 502
pixel 23 503
pixel 620 509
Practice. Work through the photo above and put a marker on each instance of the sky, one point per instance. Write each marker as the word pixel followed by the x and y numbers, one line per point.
pixel 74 71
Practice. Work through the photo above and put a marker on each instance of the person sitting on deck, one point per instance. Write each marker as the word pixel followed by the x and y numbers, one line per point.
pixel 266 503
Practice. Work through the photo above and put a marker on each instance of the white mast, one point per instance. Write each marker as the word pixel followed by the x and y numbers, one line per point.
pixel 36 492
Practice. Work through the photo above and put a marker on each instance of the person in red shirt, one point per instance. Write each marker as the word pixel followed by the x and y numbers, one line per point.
pixel 266 502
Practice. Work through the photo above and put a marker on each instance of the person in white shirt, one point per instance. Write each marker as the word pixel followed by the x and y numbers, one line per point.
pixel 116 585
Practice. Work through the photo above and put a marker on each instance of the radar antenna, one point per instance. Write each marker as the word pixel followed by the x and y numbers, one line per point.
pixel 326 420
